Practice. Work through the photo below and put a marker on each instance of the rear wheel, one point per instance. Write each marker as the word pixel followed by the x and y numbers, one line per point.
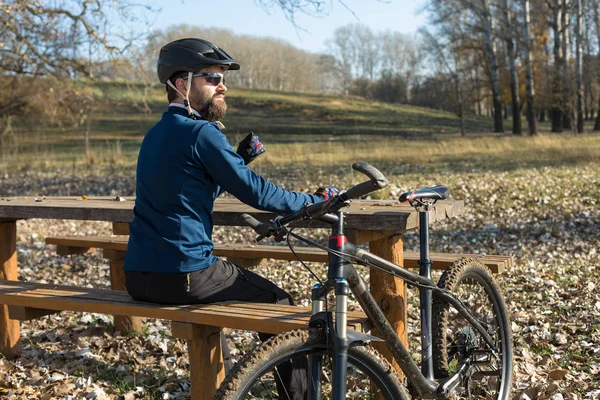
pixel 369 375
pixel 457 342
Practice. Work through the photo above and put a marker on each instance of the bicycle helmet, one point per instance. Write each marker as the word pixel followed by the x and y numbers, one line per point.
pixel 191 55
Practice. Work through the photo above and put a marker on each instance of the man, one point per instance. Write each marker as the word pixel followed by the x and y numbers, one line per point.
pixel 185 163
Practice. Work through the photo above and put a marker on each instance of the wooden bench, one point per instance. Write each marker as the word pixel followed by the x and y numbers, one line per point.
pixel 252 255
pixel 114 249
pixel 200 325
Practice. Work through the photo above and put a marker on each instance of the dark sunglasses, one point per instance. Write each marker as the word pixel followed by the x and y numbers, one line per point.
pixel 212 78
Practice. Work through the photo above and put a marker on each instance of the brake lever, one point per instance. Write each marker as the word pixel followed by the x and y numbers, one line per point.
pixel 260 237
pixel 281 235
pixel 275 229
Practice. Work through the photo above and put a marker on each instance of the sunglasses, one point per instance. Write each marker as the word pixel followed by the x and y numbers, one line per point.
pixel 211 78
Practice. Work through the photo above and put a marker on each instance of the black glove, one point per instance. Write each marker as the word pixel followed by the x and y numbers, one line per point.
pixel 250 148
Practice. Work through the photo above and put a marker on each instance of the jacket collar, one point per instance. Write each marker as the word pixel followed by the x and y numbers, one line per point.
pixel 177 108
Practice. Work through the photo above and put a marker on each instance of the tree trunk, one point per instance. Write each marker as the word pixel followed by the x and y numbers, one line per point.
pixel 586 104
pixel 461 113
pixel 590 100
pixel 597 122
pixel 529 84
pixel 86 134
pixel 566 41
pixel 491 53
pixel 514 78
pixel 597 25
pixel 556 113
pixel 579 65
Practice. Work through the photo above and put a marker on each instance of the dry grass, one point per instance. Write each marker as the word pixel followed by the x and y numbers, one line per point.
pixel 505 151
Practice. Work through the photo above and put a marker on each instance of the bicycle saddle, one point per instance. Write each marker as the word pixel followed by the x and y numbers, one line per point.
pixel 439 192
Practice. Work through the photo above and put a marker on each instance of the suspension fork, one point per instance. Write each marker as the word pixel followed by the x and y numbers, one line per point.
pixel 335 278
pixel 315 363
pixel 337 241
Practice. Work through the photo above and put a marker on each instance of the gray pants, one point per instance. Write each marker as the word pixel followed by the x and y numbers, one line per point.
pixel 222 281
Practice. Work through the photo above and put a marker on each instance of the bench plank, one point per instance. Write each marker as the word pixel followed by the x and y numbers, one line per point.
pixel 440 261
pixel 271 318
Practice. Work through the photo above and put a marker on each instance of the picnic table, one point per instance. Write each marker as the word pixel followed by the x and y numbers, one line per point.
pixel 380 223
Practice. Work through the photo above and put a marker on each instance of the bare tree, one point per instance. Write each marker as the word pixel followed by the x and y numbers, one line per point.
pixel 579 64
pixel 490 47
pixel 566 85
pixel 529 83
pixel 557 81
pixel 342 49
pixel 478 24
pixel 445 50
pixel 514 77
pixel 596 18
pixel 44 44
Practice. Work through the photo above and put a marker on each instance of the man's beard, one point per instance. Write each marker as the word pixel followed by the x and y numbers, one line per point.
pixel 215 110
pixel 211 109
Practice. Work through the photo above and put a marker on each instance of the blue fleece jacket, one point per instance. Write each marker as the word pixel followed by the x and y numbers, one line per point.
pixel 183 165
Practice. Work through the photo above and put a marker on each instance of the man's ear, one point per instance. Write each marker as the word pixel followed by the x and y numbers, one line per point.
pixel 181 85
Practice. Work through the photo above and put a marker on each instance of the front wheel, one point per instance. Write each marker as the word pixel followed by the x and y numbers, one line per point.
pixel 262 373
pixel 456 342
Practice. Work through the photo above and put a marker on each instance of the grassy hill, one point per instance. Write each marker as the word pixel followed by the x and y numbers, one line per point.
pixel 298 129
pixel 124 113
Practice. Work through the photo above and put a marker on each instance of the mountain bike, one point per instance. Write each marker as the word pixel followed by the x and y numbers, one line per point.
pixel 466 349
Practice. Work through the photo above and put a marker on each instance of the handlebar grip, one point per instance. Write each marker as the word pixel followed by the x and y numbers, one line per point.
pixel 378 181
pixel 371 172
pixel 259 227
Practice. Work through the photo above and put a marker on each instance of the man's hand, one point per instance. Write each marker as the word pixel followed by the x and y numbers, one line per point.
pixel 250 148
pixel 327 192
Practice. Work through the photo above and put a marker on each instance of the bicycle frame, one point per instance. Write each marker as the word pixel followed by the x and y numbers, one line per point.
pixel 342 277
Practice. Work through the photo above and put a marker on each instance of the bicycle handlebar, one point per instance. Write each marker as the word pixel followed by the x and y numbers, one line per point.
pixel 376 181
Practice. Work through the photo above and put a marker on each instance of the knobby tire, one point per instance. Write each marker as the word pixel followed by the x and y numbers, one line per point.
pixel 455 341
pixel 247 374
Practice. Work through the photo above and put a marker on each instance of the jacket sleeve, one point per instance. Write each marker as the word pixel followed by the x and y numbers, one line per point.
pixel 228 171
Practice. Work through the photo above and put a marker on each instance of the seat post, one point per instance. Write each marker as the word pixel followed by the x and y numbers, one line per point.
pixel 424 261
pixel 425 294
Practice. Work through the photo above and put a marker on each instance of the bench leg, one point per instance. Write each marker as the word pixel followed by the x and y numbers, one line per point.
pixel 206 358
pixel 10 338
pixel 390 292
pixel 117 282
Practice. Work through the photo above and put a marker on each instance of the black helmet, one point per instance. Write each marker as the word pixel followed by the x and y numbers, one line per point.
pixel 191 55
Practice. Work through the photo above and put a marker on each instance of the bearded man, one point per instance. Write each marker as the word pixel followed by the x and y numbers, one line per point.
pixel 185 163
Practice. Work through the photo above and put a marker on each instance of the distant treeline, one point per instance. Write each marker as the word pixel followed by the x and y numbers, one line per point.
pixel 499 58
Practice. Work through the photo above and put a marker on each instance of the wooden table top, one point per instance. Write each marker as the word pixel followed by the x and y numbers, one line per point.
pixel 364 215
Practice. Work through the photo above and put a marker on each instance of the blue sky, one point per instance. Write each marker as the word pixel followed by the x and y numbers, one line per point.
pixel 246 17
